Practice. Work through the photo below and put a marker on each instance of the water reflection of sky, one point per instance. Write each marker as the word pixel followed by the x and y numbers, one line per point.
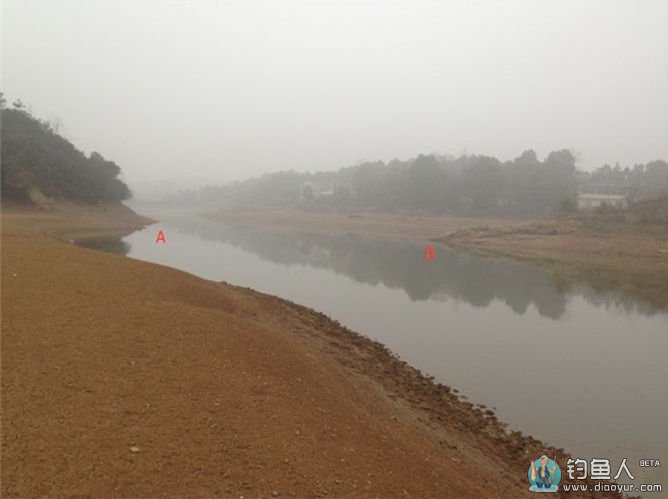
pixel 579 367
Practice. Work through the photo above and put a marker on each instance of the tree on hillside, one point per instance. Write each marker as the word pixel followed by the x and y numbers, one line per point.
pixel 483 181
pixel 467 184
pixel 36 159
pixel 656 178
pixel 558 178
pixel 426 181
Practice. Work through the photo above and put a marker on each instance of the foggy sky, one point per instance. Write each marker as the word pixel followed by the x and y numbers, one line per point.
pixel 227 90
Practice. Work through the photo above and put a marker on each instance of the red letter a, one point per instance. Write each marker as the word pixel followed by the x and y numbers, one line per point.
pixel 160 238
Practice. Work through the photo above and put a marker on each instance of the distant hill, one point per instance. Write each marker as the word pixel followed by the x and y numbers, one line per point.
pixel 467 185
pixel 431 183
pixel 38 164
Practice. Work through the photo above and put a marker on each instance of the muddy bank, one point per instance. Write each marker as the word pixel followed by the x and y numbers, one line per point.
pixel 125 378
pixel 67 220
pixel 631 259
pixel 413 227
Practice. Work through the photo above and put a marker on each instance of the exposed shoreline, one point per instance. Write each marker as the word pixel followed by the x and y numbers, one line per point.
pixel 635 262
pixel 67 220
pixel 415 227
pixel 299 390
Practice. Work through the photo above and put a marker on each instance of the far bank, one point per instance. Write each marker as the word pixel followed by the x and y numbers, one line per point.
pixel 631 257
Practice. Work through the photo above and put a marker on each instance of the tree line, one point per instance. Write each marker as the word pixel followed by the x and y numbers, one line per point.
pixel 37 161
pixel 469 184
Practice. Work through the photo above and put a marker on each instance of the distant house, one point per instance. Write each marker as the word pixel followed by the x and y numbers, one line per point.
pixel 315 190
pixel 318 190
pixel 592 196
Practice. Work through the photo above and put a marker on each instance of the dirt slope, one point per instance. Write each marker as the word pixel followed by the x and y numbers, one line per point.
pixel 126 378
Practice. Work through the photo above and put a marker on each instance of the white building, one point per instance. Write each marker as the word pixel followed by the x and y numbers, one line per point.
pixel 592 196
pixel 318 190
pixel 315 190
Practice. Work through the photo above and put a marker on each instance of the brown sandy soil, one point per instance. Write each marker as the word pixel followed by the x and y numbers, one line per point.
pixel 123 378
pixel 378 225
pixel 631 259
pixel 68 220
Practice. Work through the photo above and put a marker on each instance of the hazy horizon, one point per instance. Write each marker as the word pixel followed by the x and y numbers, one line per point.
pixel 225 91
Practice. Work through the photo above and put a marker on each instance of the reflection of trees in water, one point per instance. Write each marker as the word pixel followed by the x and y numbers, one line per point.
pixel 109 244
pixel 475 280
pixel 615 299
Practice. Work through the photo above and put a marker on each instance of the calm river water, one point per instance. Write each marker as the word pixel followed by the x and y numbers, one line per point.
pixel 577 367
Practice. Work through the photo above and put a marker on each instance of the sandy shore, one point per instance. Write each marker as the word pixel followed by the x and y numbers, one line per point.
pixel 633 259
pixel 124 378
pixel 374 225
